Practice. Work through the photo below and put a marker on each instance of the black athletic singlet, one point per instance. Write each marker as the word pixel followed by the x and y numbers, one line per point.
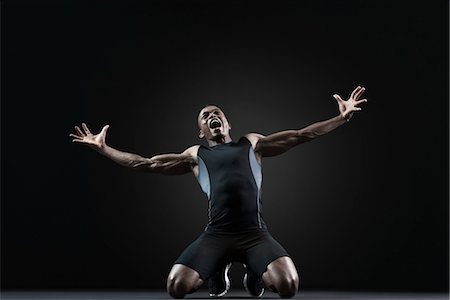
pixel 231 177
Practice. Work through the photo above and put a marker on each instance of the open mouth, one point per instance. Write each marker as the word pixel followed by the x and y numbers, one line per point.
pixel 215 123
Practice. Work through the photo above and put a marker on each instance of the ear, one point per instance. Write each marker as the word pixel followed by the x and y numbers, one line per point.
pixel 201 134
pixel 229 125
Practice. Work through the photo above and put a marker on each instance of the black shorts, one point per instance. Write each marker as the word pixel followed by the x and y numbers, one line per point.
pixel 212 250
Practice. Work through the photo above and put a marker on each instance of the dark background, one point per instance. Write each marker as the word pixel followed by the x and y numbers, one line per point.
pixel 363 208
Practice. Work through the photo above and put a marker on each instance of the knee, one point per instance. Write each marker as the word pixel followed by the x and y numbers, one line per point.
pixel 177 287
pixel 182 280
pixel 282 276
pixel 288 286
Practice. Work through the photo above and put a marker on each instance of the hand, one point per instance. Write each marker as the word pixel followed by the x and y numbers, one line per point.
pixel 96 142
pixel 347 108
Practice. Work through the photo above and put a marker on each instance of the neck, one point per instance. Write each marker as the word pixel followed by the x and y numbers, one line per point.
pixel 219 140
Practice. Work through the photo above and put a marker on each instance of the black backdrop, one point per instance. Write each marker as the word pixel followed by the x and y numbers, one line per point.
pixel 365 207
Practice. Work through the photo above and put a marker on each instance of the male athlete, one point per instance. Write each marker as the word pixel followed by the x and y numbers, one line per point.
pixel 230 175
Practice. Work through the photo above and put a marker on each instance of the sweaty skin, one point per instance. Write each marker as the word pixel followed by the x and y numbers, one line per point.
pixel 281 275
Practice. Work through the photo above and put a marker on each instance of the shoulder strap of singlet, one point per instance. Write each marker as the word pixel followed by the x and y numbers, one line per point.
pixel 244 139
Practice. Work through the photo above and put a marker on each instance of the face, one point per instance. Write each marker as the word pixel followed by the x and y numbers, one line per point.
pixel 212 123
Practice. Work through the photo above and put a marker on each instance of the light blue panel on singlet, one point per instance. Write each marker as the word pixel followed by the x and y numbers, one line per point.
pixel 203 177
pixel 256 168
pixel 257 174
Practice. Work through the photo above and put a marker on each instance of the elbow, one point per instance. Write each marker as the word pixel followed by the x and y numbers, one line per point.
pixel 141 165
pixel 305 136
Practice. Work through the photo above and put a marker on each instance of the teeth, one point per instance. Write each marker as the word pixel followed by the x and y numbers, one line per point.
pixel 214 123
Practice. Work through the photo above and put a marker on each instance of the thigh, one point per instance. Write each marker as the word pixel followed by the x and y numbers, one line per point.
pixel 262 250
pixel 205 255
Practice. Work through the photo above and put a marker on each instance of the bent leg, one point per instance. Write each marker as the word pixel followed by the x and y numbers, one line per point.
pixel 282 277
pixel 182 280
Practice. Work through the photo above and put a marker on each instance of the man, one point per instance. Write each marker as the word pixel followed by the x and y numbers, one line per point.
pixel 230 175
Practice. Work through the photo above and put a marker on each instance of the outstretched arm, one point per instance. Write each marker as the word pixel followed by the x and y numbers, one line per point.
pixel 169 164
pixel 280 142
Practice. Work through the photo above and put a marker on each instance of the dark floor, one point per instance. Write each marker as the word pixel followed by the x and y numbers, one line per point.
pixel 131 295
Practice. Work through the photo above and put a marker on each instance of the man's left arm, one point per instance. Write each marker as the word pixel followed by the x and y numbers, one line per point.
pixel 282 141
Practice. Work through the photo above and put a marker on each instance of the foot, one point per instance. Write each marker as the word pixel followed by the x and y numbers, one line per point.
pixel 219 284
pixel 253 284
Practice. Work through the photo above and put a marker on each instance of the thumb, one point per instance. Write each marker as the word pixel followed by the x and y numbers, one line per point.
pixel 105 129
pixel 337 97
pixel 103 133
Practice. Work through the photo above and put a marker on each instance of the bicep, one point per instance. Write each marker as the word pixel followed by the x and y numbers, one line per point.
pixel 172 163
pixel 277 143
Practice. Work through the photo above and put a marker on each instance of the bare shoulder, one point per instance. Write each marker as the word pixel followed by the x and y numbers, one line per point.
pixel 192 151
pixel 254 138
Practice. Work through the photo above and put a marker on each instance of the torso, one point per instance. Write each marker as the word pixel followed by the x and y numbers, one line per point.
pixel 230 175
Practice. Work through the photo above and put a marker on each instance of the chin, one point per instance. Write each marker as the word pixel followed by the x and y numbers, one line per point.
pixel 218 135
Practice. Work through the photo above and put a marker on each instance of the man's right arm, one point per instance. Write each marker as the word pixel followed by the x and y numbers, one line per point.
pixel 169 164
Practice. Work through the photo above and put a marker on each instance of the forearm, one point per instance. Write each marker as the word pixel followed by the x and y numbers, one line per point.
pixel 125 159
pixel 319 128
